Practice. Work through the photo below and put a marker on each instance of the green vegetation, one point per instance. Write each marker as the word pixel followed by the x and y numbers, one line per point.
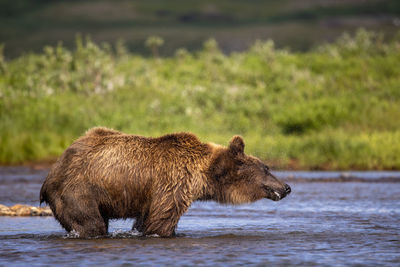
pixel 335 107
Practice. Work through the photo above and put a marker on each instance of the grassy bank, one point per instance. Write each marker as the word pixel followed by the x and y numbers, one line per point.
pixel 335 107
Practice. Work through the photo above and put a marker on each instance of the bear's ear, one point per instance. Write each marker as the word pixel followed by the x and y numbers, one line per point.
pixel 236 146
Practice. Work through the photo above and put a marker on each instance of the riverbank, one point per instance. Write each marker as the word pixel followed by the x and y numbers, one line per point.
pixel 24 210
pixel 333 108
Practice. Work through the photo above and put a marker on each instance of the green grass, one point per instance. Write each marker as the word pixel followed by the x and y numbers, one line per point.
pixel 335 107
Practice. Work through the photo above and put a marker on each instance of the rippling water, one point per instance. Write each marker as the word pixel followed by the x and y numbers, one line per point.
pixel 320 223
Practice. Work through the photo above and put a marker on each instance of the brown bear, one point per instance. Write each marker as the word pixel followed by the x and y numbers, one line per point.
pixel 107 174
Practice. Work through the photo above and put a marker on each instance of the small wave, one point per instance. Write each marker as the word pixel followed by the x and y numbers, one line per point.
pixel 153 235
pixel 19 236
pixel 125 234
pixel 242 235
pixel 117 234
pixel 71 235
pixel 32 236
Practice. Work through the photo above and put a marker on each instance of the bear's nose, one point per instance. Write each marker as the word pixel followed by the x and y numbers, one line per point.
pixel 287 189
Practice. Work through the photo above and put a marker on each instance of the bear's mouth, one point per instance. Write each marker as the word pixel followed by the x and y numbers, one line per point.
pixel 272 194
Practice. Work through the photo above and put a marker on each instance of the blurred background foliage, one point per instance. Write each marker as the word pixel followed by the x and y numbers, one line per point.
pixel 28 25
pixel 315 105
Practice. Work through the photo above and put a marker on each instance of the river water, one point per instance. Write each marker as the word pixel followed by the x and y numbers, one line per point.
pixel 329 219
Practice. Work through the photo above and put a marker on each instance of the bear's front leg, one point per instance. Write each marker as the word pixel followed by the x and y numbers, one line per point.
pixel 165 213
pixel 139 224
pixel 162 228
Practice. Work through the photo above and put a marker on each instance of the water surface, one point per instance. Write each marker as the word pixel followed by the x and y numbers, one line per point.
pixel 320 223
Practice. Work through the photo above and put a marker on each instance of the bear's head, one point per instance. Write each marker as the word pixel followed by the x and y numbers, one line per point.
pixel 239 178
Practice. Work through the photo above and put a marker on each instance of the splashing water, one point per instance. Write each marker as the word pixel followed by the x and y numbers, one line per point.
pixel 72 234
pixel 120 233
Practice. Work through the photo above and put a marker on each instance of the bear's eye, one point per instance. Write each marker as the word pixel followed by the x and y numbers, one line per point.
pixel 239 162
pixel 266 169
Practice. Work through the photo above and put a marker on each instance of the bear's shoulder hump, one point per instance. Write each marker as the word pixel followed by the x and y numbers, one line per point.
pixel 101 131
pixel 180 138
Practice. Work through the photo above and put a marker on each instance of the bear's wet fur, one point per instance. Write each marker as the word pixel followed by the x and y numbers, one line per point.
pixel 107 174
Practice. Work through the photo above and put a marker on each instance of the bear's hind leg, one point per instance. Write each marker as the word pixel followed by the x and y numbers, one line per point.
pixel 87 223
pixel 86 220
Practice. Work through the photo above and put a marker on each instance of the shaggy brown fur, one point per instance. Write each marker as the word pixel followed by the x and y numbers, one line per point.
pixel 107 174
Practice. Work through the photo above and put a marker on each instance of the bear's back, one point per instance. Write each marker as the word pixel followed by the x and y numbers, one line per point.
pixel 105 144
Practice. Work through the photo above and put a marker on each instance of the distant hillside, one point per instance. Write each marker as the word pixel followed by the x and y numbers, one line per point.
pixel 28 25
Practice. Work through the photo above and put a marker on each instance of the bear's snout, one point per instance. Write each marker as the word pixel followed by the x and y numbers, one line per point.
pixel 286 192
pixel 288 189
pixel 277 194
